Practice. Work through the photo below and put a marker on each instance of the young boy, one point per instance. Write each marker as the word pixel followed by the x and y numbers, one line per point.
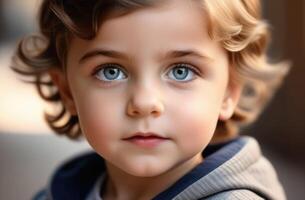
pixel 159 90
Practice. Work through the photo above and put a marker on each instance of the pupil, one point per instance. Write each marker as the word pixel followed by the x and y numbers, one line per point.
pixel 111 73
pixel 181 73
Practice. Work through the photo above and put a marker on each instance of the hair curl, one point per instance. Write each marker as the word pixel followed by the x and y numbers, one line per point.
pixel 236 24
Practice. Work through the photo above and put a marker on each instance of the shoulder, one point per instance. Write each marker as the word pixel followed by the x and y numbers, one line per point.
pixel 241 194
pixel 74 178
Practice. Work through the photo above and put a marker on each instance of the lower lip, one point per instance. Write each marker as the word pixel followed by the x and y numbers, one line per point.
pixel 148 142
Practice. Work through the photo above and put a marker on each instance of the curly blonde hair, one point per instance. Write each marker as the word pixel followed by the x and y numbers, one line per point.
pixel 236 24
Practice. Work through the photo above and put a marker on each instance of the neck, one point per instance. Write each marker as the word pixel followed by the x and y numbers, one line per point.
pixel 121 185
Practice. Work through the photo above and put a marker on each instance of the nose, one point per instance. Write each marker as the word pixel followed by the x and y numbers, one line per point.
pixel 145 102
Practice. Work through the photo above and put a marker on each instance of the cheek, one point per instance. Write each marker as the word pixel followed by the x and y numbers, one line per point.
pixel 98 118
pixel 196 127
pixel 196 120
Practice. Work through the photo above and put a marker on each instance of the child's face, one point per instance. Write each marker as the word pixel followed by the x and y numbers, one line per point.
pixel 179 96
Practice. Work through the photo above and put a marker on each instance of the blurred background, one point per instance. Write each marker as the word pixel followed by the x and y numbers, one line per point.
pixel 29 152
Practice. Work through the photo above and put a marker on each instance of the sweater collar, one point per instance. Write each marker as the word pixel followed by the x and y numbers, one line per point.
pixel 75 178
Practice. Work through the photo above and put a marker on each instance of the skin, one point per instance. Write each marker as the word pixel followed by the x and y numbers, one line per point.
pixel 146 96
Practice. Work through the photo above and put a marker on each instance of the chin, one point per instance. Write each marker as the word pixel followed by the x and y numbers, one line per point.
pixel 145 172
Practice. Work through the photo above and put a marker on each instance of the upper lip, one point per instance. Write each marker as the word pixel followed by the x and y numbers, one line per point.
pixel 145 134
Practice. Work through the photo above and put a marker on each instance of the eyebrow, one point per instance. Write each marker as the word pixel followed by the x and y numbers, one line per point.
pixel 187 52
pixel 120 55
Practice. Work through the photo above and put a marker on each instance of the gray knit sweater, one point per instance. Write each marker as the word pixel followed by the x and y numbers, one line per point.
pixel 247 175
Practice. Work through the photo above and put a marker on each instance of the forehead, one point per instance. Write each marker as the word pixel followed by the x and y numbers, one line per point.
pixel 173 24
pixel 177 16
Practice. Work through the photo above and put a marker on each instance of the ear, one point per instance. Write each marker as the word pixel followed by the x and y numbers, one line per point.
pixel 230 100
pixel 59 79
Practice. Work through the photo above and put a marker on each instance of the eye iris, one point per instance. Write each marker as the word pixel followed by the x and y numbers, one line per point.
pixel 111 73
pixel 180 73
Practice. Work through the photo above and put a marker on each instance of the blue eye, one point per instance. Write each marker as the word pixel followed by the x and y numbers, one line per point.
pixel 109 73
pixel 182 73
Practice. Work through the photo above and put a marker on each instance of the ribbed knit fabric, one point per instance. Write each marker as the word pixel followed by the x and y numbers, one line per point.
pixel 247 175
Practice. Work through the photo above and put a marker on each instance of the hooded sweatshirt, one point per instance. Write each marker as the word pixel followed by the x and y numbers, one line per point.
pixel 232 170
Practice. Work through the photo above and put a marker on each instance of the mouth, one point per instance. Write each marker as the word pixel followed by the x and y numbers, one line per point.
pixel 146 139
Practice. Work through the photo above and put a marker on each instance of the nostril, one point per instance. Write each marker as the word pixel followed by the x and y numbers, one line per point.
pixel 136 112
pixel 156 112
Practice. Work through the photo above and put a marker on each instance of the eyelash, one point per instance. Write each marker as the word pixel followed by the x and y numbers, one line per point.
pixel 190 67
